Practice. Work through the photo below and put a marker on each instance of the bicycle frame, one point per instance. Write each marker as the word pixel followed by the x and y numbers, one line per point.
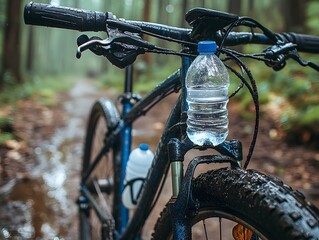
pixel 174 129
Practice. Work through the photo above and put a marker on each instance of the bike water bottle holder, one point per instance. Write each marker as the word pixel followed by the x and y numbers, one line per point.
pixel 177 149
pixel 130 185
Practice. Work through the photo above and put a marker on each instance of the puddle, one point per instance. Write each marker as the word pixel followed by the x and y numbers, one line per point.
pixel 42 205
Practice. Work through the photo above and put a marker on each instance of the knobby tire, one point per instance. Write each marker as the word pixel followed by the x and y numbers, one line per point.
pixel 262 203
pixel 99 123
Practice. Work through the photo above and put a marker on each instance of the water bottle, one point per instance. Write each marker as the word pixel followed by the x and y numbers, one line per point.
pixel 138 164
pixel 207 83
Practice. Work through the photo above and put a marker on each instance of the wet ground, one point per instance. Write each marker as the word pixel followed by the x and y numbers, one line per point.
pixel 41 203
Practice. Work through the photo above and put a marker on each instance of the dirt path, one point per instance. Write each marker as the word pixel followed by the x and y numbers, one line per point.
pixel 43 196
pixel 42 182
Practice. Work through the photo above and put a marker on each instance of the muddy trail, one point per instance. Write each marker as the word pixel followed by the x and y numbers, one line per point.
pixel 40 183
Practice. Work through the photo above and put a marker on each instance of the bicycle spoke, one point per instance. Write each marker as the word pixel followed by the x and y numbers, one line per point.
pixel 204 224
pixel 220 228
pixel 101 198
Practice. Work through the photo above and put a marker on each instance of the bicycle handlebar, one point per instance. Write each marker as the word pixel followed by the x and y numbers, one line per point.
pixel 64 17
pixel 83 20
pixel 305 43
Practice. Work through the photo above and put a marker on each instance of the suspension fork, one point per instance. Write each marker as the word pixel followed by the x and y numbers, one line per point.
pixel 177 163
pixel 181 185
pixel 182 205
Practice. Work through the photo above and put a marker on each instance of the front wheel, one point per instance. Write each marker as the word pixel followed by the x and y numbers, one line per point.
pixel 103 182
pixel 238 204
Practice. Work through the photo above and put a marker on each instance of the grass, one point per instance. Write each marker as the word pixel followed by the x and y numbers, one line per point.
pixel 6 128
pixel 41 89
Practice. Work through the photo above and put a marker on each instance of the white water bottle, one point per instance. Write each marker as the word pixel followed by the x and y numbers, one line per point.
pixel 207 83
pixel 138 164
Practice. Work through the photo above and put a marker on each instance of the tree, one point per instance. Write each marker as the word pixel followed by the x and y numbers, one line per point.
pixel 184 10
pixel 234 6
pixel 30 50
pixel 294 13
pixel 11 42
pixel 147 18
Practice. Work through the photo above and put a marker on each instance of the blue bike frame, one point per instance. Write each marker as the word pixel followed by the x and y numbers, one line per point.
pixel 127 113
pixel 172 147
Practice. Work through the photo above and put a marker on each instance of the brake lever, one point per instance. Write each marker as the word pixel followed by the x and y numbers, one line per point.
pixel 295 56
pixel 105 43
pixel 279 54
pixel 119 38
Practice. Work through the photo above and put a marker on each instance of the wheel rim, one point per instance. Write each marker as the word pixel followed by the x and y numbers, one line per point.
pixel 211 224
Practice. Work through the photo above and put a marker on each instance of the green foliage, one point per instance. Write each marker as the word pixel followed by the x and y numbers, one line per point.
pixel 145 78
pixel 6 124
pixel 300 87
pixel 313 18
pixel 112 78
pixel 310 116
pixel 42 89
pixel 293 90
pixel 6 128
pixel 5 137
pixel 149 77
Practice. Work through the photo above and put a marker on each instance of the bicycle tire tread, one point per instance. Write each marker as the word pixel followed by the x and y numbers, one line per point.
pixel 285 210
pixel 288 208
pixel 106 110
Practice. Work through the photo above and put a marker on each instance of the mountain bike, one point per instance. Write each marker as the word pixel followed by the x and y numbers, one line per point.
pixel 230 202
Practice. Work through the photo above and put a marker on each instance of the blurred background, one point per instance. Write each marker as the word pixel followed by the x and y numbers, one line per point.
pixel 30 57
pixel 46 93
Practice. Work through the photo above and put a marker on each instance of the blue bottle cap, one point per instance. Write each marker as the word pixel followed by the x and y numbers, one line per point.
pixel 205 47
pixel 143 146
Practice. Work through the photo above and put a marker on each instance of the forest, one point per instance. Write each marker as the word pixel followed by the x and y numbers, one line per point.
pixel 30 56
pixel 43 119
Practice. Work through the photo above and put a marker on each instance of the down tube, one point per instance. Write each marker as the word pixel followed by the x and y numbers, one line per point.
pixel 158 169
pixel 126 142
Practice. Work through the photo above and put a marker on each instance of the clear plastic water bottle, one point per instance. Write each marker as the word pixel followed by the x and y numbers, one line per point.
pixel 207 83
pixel 139 162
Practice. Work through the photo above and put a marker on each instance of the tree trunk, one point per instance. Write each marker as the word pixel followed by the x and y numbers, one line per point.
pixel 30 50
pixel 234 6
pixel 251 8
pixel 202 3
pixel 11 42
pixel 184 10
pixel 294 13
pixel 147 18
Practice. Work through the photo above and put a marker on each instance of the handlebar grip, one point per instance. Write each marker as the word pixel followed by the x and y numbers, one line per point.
pixel 305 43
pixel 64 17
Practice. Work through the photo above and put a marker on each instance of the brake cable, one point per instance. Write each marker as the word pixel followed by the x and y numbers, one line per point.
pixel 273 56
pixel 123 26
pixel 254 93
